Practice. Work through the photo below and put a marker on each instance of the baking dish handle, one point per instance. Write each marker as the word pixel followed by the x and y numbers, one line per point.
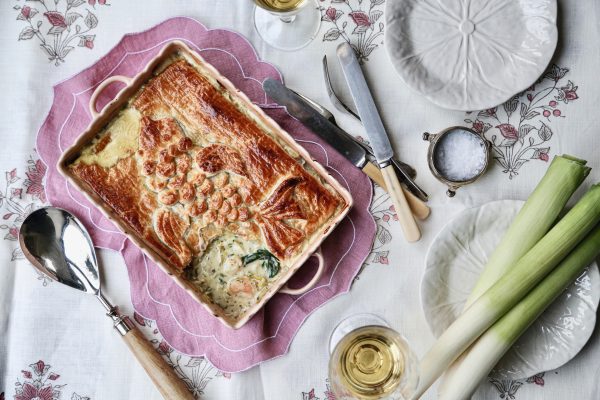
pixel 116 78
pixel 320 269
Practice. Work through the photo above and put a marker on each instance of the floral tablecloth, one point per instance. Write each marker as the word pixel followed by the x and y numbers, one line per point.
pixel 55 343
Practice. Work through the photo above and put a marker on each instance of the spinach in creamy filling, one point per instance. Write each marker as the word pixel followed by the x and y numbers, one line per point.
pixel 233 273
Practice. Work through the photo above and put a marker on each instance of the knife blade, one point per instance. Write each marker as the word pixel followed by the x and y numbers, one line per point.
pixel 335 137
pixel 382 148
pixel 405 172
pixel 303 112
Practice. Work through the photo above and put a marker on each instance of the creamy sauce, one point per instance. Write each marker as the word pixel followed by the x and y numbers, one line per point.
pixel 225 279
pixel 124 133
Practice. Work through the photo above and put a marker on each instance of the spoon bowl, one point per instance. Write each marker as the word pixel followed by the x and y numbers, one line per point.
pixel 59 246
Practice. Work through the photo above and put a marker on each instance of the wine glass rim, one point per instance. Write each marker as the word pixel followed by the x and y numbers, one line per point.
pixel 340 330
pixel 283 13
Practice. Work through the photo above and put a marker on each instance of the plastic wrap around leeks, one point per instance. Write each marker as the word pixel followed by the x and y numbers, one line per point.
pixel 503 295
pixel 540 211
pixel 564 175
pixel 461 381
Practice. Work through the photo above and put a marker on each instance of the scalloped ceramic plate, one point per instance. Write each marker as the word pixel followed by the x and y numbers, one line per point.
pixel 470 54
pixel 455 261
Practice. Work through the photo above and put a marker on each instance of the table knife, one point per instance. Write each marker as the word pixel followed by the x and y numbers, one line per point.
pixel 363 100
pixel 335 137
pixel 406 173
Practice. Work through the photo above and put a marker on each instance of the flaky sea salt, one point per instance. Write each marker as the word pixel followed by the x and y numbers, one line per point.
pixel 460 155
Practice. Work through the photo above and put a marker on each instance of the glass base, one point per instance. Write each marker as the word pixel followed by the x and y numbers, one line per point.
pixel 351 323
pixel 301 29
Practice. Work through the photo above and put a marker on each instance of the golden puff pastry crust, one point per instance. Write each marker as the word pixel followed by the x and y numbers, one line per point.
pixel 185 163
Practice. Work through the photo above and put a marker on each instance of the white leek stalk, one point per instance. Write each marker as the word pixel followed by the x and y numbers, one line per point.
pixel 461 381
pixel 540 211
pixel 510 288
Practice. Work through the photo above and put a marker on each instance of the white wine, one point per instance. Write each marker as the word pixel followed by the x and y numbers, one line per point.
pixel 368 363
pixel 280 5
pixel 287 24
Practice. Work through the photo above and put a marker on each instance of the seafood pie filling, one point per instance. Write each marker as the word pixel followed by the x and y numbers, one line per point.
pixel 198 175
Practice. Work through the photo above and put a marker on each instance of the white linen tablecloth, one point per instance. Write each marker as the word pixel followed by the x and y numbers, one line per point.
pixel 50 332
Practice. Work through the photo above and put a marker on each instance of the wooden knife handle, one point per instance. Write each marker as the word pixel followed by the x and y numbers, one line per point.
pixel 170 386
pixel 418 207
pixel 405 217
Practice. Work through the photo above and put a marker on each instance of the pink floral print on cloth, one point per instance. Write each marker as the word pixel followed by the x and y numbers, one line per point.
pixel 196 372
pixel 520 129
pixel 58 25
pixel 40 383
pixel 327 394
pixel 21 194
pixel 506 389
pixel 184 324
pixel 384 214
pixel 358 22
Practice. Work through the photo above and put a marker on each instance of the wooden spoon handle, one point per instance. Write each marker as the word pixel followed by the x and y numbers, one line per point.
pixel 170 386
pixel 405 217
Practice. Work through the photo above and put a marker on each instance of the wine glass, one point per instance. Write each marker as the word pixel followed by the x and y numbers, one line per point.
pixel 287 24
pixel 369 360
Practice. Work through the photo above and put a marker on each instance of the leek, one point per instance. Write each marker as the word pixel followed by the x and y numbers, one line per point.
pixel 510 288
pixel 540 211
pixel 474 365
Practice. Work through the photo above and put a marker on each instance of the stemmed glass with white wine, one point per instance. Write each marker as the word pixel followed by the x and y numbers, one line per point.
pixel 369 360
pixel 287 24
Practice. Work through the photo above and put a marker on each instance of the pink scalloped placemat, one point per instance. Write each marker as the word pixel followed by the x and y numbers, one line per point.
pixel 185 324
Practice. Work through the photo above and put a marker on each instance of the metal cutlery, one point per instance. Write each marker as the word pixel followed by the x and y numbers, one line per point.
pixel 58 245
pixel 378 138
pixel 414 195
pixel 405 172
pixel 335 137
pixel 335 100
pixel 408 170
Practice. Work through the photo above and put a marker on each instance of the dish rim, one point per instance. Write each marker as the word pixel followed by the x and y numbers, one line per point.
pixel 115 105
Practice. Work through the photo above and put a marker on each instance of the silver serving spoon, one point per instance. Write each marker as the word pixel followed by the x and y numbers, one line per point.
pixel 59 246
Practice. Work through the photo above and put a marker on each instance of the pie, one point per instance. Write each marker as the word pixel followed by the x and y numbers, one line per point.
pixel 199 176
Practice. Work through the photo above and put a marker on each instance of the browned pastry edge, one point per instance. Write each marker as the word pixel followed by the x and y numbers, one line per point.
pixel 119 187
pixel 275 186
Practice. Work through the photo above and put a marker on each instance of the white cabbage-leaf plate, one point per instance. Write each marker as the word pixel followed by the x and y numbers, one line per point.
pixel 456 259
pixel 470 54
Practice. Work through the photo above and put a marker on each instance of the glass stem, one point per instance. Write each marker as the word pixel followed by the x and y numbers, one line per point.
pixel 288 20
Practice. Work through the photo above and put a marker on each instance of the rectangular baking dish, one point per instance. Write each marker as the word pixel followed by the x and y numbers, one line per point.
pixel 100 120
